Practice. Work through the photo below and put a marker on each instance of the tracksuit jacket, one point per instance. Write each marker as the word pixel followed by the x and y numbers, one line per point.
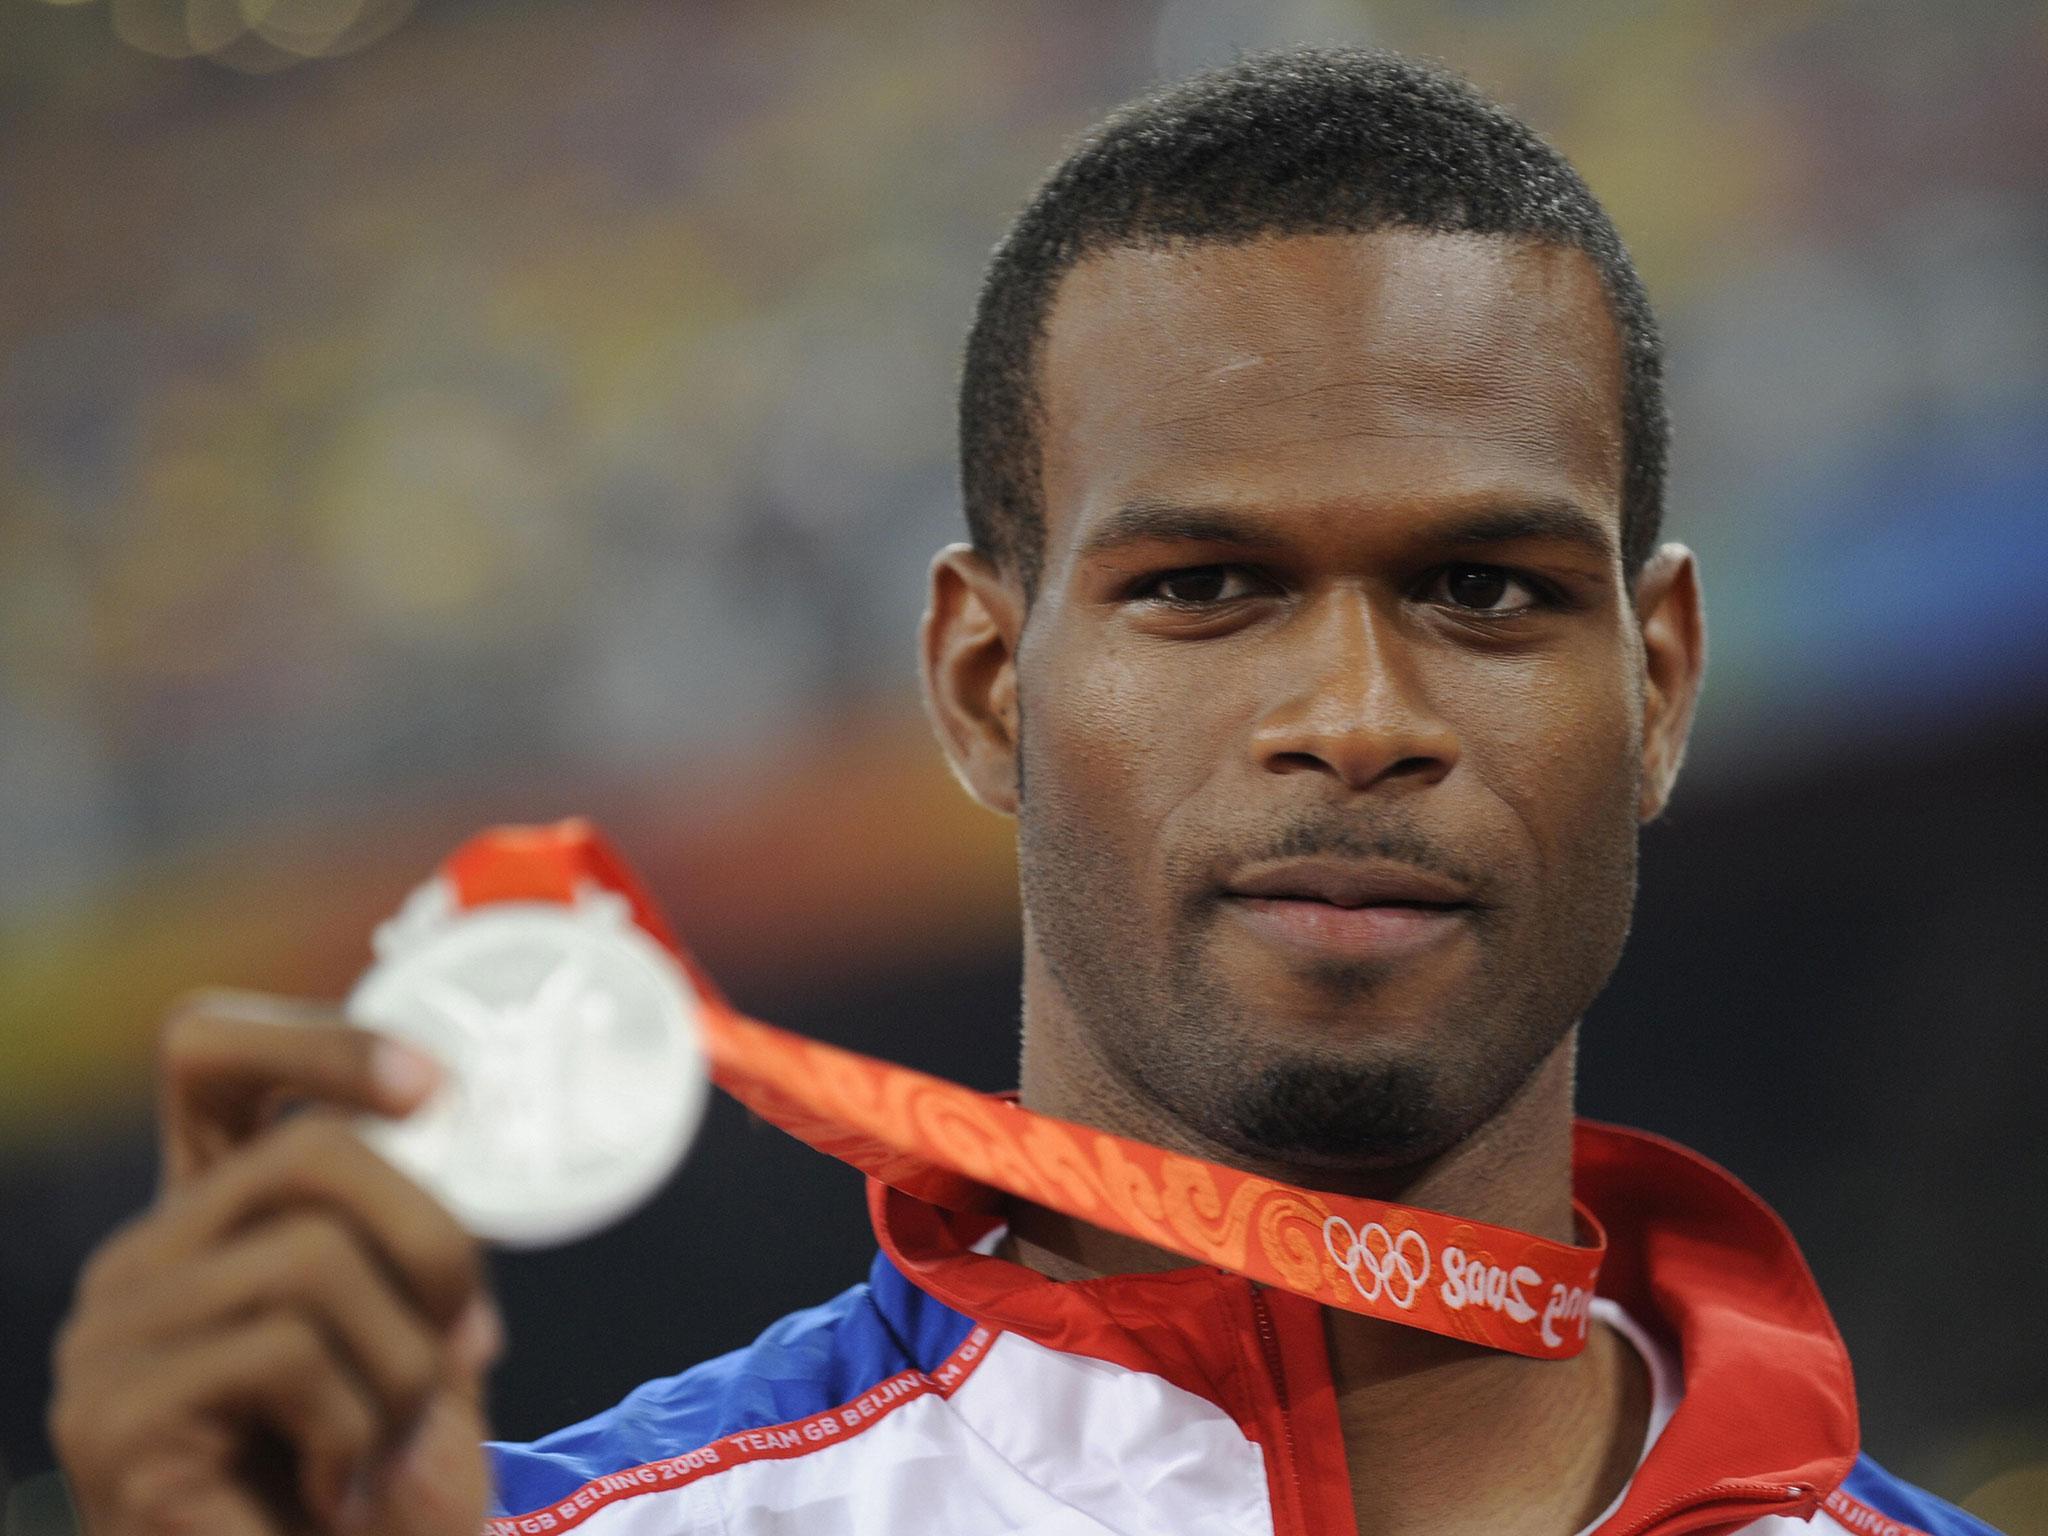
pixel 958 1393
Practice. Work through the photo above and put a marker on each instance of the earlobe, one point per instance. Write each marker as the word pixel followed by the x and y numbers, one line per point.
pixel 1673 621
pixel 967 659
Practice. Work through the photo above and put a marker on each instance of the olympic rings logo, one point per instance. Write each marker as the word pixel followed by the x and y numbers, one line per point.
pixel 1378 1262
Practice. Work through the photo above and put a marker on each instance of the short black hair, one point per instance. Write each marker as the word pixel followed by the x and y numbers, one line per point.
pixel 1298 142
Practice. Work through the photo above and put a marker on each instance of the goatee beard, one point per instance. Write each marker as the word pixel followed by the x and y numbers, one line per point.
pixel 1341 1116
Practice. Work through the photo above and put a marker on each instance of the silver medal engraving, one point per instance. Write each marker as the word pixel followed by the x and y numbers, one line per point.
pixel 576 1077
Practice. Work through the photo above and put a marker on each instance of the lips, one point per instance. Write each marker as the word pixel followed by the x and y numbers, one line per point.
pixel 1347 908
pixel 1349 883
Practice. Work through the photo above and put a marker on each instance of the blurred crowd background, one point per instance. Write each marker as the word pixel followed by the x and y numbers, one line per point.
pixel 420 415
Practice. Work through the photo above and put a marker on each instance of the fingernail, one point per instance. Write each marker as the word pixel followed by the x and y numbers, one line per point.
pixel 255 1007
pixel 404 1072
pixel 478 1337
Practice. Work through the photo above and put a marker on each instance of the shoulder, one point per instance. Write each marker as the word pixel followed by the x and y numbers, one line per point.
pixel 1873 1502
pixel 665 1432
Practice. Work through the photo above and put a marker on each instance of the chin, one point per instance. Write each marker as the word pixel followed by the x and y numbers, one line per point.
pixel 1341 1116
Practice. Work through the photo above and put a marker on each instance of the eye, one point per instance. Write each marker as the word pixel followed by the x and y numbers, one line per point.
pixel 1195 586
pixel 1484 589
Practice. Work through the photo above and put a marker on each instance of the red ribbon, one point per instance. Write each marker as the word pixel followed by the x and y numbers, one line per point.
pixel 965 1150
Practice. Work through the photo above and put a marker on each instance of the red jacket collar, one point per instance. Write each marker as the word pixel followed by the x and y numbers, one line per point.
pixel 1769 1405
pixel 1769 1398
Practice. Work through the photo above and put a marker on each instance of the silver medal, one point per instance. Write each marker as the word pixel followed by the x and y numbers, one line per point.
pixel 576 1077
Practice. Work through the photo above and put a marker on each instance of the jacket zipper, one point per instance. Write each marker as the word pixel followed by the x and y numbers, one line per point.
pixel 1269 1343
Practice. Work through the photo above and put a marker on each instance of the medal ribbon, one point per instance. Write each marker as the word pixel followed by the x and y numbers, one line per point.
pixel 962 1150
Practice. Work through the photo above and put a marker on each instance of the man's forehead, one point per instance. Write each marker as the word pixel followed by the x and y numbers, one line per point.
pixel 1399 359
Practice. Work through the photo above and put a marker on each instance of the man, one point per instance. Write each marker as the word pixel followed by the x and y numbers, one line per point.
pixel 1316 631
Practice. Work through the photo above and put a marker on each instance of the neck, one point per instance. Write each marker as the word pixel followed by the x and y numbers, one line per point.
pixel 1419 1410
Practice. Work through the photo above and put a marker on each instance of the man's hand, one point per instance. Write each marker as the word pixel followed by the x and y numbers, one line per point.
pixel 294 1336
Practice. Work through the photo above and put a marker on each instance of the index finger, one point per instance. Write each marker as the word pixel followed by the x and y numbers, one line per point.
pixel 316 1161
pixel 228 1061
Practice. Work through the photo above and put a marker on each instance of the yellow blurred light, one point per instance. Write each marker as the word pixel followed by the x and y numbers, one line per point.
pixel 440 519
pixel 374 19
pixel 254 36
pixel 154 26
pixel 306 27
pixel 2015 1501
pixel 211 25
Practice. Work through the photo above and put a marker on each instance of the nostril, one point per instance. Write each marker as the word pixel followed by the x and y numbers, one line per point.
pixel 1415 765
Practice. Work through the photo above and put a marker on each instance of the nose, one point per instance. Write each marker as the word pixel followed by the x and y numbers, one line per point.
pixel 1357 708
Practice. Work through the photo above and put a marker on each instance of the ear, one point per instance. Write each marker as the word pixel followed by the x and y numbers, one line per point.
pixel 967 650
pixel 1674 659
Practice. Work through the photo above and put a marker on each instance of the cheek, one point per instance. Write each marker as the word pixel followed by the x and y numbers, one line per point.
pixel 1562 749
pixel 1110 745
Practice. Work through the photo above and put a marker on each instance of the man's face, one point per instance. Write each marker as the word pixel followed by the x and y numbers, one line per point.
pixel 1330 702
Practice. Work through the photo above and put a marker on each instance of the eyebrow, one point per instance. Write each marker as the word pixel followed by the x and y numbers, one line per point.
pixel 1173 523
